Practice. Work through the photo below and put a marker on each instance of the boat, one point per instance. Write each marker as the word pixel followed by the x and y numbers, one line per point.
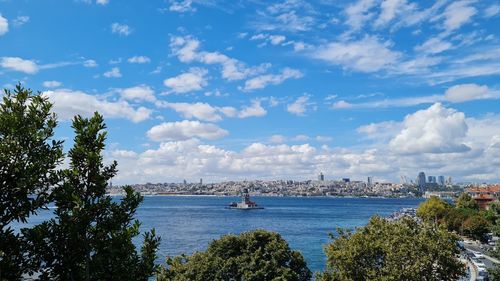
pixel 246 203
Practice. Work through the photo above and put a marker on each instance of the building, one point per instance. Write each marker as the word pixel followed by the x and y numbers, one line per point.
pixel 431 179
pixel 346 180
pixel 484 195
pixel 369 181
pixel 201 181
pixel 441 181
pixel 321 177
pixel 421 181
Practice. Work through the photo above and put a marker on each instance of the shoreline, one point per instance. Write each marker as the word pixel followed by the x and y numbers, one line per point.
pixel 263 195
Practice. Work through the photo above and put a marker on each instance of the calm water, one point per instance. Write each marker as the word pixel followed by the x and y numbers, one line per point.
pixel 188 224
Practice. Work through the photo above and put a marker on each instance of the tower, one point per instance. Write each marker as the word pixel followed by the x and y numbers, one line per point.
pixel 421 181
pixel 321 177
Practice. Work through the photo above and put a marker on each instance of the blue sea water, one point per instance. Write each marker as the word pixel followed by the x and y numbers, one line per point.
pixel 188 224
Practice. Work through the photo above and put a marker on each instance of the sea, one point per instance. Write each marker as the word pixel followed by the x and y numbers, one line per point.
pixel 189 223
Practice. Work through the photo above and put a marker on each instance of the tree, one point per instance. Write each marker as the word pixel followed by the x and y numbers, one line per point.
pixel 90 237
pixel 29 156
pixel 251 256
pixel 433 209
pixel 400 250
pixel 465 201
pixel 476 227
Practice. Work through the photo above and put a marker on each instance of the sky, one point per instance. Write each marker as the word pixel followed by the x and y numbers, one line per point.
pixel 242 90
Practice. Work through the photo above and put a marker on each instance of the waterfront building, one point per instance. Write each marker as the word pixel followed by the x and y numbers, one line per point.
pixel 421 181
pixel 369 181
pixel 321 177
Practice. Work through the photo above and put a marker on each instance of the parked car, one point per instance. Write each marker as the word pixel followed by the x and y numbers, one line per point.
pixel 477 254
pixel 482 275
pixel 479 264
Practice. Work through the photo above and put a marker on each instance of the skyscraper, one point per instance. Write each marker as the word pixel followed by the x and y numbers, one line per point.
pixel 421 181
pixel 441 180
pixel 321 177
pixel 369 181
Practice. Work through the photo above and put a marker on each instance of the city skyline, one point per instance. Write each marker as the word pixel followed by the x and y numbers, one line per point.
pixel 245 90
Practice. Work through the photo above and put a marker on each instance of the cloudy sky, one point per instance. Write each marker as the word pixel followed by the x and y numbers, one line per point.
pixel 232 90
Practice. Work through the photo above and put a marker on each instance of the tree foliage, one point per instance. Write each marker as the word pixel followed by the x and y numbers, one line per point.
pixel 90 237
pixel 251 256
pixel 433 210
pixel 465 201
pixel 401 250
pixel 29 156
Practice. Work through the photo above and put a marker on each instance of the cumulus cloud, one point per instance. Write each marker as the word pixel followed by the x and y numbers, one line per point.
pixel 198 110
pixel 68 103
pixel 90 63
pixel 359 12
pixel 263 81
pixel 113 73
pixel 277 139
pixel 138 93
pixel 102 2
pixel 19 64
pixel 434 130
pixel 20 20
pixel 4 25
pixel 193 80
pixel 492 11
pixel 121 29
pixel 186 49
pixel 139 59
pixel 184 130
pixel 365 55
pixel 434 45
pixel 51 84
pixel 299 106
pixel 254 110
pixel 457 14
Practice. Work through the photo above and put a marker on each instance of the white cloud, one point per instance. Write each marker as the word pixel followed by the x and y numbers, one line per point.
pixel 138 93
pixel 254 110
pixel 19 64
pixel 4 25
pixel 434 45
pixel 467 92
pixel 263 81
pixel 492 10
pixel 20 20
pixel 102 2
pixel 301 138
pixel 391 9
pixel 341 105
pixel 289 16
pixel 182 6
pixel 299 106
pixel 358 13
pixel 365 55
pixel 121 29
pixel 90 63
pixel 51 84
pixel 434 130
pixel 123 153
pixel 139 59
pixel 323 139
pixel 113 73
pixel 68 103
pixel 277 139
pixel 193 80
pixel 457 14
pixel 199 110
pixel 186 49
pixel 184 130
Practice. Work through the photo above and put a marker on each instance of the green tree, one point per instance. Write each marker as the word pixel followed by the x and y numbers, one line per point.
pixel 465 201
pixel 251 256
pixel 29 156
pixel 433 209
pixel 400 250
pixel 476 227
pixel 90 237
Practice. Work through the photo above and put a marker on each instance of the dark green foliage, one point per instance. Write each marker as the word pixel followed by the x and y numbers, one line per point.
pixel 464 201
pixel 433 210
pixel 251 256
pixel 401 250
pixel 29 156
pixel 90 237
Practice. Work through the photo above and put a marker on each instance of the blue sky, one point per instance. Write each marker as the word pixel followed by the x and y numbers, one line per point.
pixel 269 90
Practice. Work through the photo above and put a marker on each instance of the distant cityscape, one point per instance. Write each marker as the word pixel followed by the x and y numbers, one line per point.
pixel 422 186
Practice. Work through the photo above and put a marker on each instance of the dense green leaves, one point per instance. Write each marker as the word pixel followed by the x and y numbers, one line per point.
pixel 90 237
pixel 251 256
pixel 401 250
pixel 29 156
pixel 465 201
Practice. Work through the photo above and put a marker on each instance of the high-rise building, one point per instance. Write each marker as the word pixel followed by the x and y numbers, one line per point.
pixel 441 180
pixel 431 179
pixel 369 181
pixel 346 180
pixel 321 177
pixel 201 181
pixel 421 181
